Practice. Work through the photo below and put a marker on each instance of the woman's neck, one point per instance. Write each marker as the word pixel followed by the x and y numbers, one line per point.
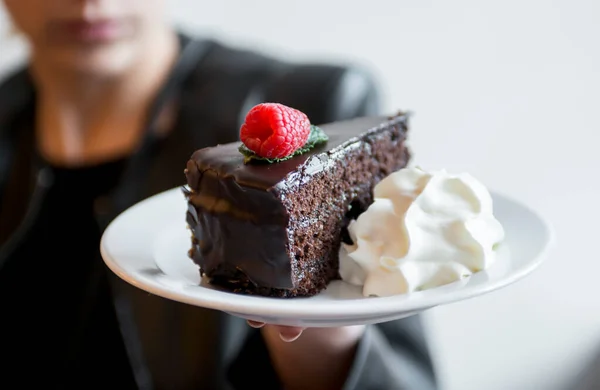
pixel 86 119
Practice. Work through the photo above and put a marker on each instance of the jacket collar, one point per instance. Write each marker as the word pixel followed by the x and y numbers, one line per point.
pixel 16 93
pixel 17 96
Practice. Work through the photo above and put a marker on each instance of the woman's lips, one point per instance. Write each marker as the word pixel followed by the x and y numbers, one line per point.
pixel 80 31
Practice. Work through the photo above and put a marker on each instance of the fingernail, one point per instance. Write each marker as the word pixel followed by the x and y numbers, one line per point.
pixel 289 338
pixel 255 324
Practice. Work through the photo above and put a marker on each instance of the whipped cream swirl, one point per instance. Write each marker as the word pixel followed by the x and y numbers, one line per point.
pixel 423 230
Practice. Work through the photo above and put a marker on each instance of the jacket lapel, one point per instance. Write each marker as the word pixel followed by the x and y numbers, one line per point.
pixel 16 98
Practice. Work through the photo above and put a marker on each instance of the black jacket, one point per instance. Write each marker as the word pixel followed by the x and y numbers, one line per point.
pixel 165 340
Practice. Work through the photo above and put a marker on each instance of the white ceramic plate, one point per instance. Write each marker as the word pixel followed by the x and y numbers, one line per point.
pixel 147 246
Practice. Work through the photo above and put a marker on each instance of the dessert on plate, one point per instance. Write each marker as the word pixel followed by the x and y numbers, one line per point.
pixel 294 206
pixel 268 214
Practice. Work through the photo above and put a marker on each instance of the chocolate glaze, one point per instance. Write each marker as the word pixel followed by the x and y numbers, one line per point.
pixel 238 212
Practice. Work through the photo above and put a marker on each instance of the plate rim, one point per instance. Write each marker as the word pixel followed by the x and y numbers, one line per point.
pixel 302 308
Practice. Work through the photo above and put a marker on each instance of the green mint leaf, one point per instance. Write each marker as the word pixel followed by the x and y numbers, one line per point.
pixel 316 137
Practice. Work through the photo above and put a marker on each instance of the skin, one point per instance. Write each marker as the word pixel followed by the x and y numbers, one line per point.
pixel 97 65
pixel 322 356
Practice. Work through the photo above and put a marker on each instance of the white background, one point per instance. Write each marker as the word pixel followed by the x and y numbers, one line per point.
pixel 508 91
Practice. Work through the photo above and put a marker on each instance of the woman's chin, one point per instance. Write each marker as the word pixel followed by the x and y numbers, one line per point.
pixel 98 61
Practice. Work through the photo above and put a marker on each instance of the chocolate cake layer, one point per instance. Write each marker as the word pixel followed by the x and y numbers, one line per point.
pixel 275 229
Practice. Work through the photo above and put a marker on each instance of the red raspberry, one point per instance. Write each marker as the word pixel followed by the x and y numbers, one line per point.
pixel 272 130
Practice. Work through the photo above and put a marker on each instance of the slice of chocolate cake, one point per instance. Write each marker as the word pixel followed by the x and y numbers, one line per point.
pixel 275 228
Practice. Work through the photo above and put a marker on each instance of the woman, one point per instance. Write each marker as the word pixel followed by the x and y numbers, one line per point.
pixel 110 106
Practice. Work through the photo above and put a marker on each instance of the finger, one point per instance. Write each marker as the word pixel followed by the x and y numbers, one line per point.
pixel 289 333
pixel 255 324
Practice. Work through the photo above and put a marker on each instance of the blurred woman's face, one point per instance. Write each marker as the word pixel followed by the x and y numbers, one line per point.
pixel 101 37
